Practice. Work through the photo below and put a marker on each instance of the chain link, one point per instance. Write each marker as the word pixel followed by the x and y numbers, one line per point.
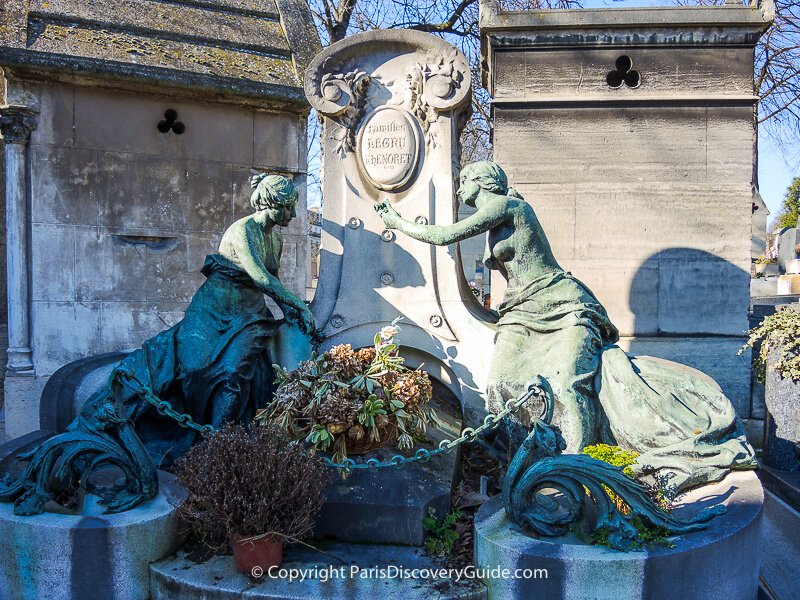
pixel 468 434
pixel 163 407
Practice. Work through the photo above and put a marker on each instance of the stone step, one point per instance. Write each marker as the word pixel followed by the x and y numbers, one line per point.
pixel 176 578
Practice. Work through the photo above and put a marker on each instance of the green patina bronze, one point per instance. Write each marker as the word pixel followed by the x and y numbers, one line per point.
pixel 538 466
pixel 552 328
pixel 215 366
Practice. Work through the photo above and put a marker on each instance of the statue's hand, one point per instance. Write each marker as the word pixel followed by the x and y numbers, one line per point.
pixel 306 321
pixel 391 218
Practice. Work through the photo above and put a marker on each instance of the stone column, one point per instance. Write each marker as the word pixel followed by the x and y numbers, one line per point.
pixel 16 124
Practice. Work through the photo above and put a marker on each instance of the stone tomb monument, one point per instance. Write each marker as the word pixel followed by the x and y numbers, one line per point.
pixel 393 103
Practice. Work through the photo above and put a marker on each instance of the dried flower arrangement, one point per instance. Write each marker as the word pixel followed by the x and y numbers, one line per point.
pixel 349 401
pixel 251 483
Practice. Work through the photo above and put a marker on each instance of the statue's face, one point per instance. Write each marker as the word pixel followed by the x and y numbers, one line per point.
pixel 468 189
pixel 282 215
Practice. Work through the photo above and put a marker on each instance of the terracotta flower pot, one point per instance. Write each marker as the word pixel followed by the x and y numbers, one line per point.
pixel 262 552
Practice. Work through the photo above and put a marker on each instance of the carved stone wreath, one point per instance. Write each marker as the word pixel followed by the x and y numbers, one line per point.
pixel 345 93
pixel 431 85
pixel 439 81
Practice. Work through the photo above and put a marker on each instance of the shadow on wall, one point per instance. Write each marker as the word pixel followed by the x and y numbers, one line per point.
pixel 687 292
pixel 696 304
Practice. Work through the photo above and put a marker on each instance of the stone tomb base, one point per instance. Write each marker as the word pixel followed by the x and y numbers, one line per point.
pixel 342 573
pixel 721 561
pixel 90 556
pixel 386 506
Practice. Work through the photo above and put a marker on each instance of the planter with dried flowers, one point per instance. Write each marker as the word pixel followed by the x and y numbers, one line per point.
pixel 251 490
pixel 350 402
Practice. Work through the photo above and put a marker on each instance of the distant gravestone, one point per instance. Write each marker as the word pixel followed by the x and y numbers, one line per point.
pixel 788 239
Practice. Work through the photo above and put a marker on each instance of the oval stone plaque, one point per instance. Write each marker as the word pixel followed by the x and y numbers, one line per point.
pixel 388 147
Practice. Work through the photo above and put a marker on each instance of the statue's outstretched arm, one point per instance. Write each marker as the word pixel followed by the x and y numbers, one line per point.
pixel 480 222
pixel 247 253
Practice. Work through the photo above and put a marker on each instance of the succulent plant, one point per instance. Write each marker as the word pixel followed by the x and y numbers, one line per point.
pixel 344 396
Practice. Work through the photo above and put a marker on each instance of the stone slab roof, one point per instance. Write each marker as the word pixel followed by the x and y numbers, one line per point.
pixel 257 49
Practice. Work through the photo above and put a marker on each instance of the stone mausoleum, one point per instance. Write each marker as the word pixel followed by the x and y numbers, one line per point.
pixel 637 125
pixel 131 129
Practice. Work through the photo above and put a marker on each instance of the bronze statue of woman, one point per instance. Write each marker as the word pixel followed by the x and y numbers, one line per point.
pixel 211 367
pixel 215 364
pixel 552 327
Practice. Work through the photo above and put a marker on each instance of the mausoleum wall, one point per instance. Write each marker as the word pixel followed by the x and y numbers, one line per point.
pixel 123 215
pixel 639 130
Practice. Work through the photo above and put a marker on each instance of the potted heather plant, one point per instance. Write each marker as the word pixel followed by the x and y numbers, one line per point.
pixel 348 402
pixel 252 490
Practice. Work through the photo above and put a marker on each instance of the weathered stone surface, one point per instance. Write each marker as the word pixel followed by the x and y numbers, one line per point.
pixel 279 141
pixel 780 546
pixel 368 276
pixel 89 555
pixel 763 286
pixel 53 279
pixel 115 206
pixel 242 49
pixel 644 192
pixel 169 20
pixel 387 506
pixel 64 185
pixel 177 578
pixel 699 293
pixel 698 566
pixel 107 267
pixel 65 329
pixel 582 72
pixel 153 201
pixel 210 185
pixel 135 322
pixel 173 275
pixel 213 133
pixel 21 404
pixel 56 107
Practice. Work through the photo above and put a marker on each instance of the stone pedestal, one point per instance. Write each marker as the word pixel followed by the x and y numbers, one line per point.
pixel 720 562
pixel 393 103
pixel 90 556
pixel 387 506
